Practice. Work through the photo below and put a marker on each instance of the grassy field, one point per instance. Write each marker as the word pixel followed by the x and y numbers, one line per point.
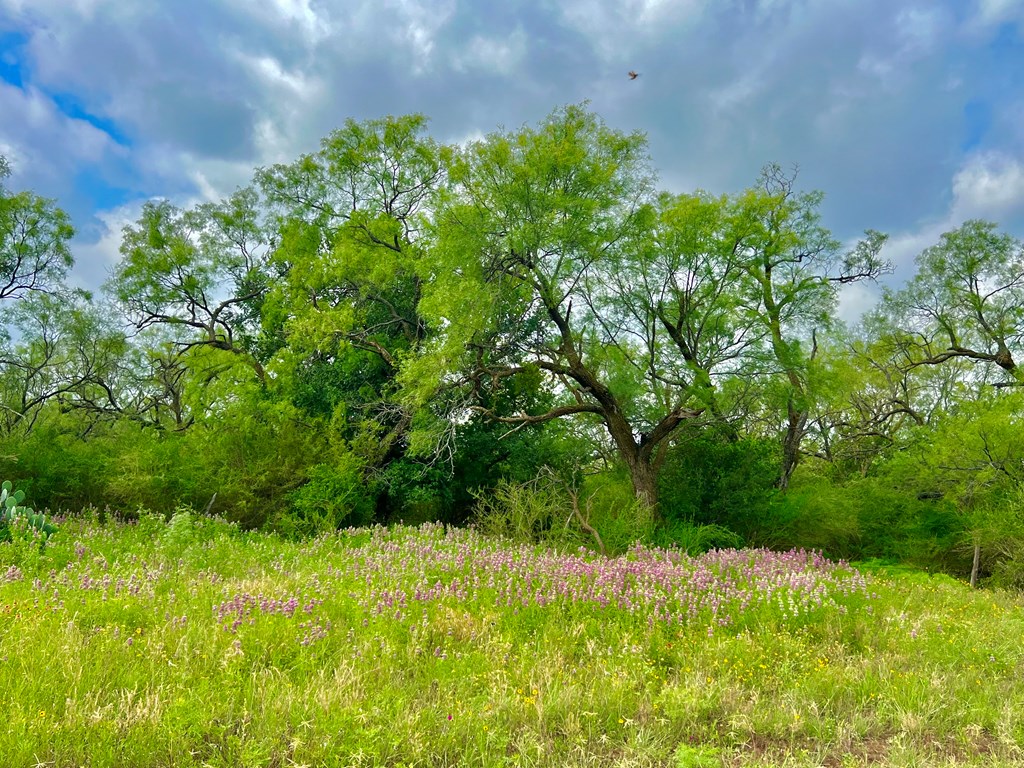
pixel 191 644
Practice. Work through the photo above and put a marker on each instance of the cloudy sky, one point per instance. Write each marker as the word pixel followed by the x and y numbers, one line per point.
pixel 907 115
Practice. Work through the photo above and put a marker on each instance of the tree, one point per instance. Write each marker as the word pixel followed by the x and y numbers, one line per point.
pixel 34 235
pixel 201 274
pixel 351 222
pixel 680 296
pixel 792 267
pixel 65 353
pixel 524 282
pixel 965 302
pixel 976 456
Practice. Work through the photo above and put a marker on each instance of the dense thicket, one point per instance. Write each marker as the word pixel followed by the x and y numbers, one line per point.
pixel 526 328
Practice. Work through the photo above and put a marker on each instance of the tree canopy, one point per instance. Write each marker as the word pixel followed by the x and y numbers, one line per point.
pixel 393 328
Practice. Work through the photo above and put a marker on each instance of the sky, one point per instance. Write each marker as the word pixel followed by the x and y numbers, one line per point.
pixel 909 116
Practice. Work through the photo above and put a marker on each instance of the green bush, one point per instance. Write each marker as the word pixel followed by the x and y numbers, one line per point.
pixel 695 539
pixel 414 493
pixel 998 529
pixel 528 513
pixel 709 478
pixel 609 503
pixel 334 496
pixel 602 512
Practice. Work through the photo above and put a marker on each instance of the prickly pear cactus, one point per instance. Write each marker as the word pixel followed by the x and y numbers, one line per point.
pixel 11 511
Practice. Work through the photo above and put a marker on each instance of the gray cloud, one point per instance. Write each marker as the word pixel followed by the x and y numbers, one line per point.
pixel 868 97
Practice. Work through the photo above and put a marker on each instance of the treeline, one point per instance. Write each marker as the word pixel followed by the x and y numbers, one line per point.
pixel 528 330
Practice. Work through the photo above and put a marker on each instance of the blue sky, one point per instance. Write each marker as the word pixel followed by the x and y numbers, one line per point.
pixel 908 115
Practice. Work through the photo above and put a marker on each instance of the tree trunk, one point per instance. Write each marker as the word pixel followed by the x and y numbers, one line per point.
pixel 645 483
pixel 976 564
pixel 636 456
pixel 795 428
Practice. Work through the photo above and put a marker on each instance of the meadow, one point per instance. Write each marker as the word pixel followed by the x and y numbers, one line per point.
pixel 191 643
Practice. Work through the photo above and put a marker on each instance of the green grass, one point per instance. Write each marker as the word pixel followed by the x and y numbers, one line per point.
pixel 148 645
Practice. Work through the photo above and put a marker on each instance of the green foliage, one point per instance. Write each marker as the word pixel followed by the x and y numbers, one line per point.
pixel 535 512
pixel 181 537
pixel 414 493
pixel 710 478
pixel 965 302
pixel 389 329
pixel 175 262
pixel 687 756
pixel 609 504
pixel 34 237
pixel 694 538
pixel 998 530
pixel 865 518
pixel 554 511
pixel 56 467
pixel 334 496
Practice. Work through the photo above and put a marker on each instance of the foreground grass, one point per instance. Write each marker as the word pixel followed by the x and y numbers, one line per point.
pixel 192 645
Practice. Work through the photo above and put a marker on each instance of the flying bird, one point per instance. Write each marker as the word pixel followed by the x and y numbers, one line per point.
pixel 633 75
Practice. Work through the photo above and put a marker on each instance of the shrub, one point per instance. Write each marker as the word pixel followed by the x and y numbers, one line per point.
pixel 527 513
pixel 709 478
pixel 695 539
pixel 335 496
pixel 602 513
pixel 414 493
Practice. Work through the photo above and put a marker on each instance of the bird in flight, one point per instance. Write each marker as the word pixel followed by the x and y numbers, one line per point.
pixel 633 75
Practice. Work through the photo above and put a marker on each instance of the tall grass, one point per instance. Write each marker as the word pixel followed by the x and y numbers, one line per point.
pixel 192 644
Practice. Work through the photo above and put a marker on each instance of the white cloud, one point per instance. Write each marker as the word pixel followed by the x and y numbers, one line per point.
pixel 855 299
pixel 916 34
pixel 736 94
pixel 212 178
pixel 83 8
pixel 44 142
pixel 316 27
pixel 286 83
pixel 988 186
pixel 419 22
pixel 96 255
pixel 988 13
pixel 469 138
pixel 617 30
pixel 903 247
pixel 657 12
pixel 921 29
pixel 867 96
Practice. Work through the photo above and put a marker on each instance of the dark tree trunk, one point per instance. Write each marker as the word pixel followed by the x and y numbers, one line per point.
pixel 645 483
pixel 796 426
pixel 635 456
